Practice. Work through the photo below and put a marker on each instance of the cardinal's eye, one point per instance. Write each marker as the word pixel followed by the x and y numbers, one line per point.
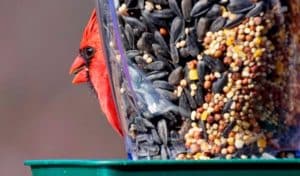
pixel 87 53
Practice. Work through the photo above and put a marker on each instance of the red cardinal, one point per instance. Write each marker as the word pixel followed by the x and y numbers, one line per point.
pixel 90 66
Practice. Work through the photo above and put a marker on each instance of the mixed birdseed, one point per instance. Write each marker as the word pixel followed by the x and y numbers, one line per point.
pixel 223 67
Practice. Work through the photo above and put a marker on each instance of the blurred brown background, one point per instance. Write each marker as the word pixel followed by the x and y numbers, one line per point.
pixel 42 115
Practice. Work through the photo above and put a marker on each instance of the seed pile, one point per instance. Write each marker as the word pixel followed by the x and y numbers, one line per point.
pixel 221 63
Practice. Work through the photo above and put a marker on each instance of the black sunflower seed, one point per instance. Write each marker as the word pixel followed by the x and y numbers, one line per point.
pixel 230 23
pixel 178 148
pixel 199 97
pixel 200 8
pixel 155 136
pixel 140 4
pixel 214 12
pixel 201 68
pixel 217 24
pixel 142 124
pixel 228 128
pixel 132 54
pixel 155 66
pixel 186 7
pixel 126 44
pixel 151 150
pixel 136 25
pixel 174 6
pixel 163 14
pixel 157 20
pixel 158 50
pixel 174 53
pixel 148 21
pixel 219 84
pixel 175 76
pixel 167 94
pixel 190 99
pixel 171 117
pixel 192 46
pixel 259 7
pixel 169 65
pixel 161 41
pixel 162 2
pixel 145 42
pixel 163 152
pixel 202 126
pixel 163 85
pixel 177 30
pixel 130 3
pixel 143 138
pixel 240 6
pixel 227 106
pixel 186 125
pixel 184 52
pixel 163 131
pixel 215 65
pixel 184 104
pixel 130 36
pixel 202 27
pixel 155 75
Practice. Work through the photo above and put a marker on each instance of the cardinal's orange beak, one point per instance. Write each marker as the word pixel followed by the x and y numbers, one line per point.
pixel 80 70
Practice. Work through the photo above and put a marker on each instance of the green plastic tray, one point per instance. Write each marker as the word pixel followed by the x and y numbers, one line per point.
pixel 278 167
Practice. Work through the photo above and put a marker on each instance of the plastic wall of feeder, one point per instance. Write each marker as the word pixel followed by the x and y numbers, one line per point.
pixel 205 79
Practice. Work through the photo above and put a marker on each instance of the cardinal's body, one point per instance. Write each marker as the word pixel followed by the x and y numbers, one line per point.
pixel 90 66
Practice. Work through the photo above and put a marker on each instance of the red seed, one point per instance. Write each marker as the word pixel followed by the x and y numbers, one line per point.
pixel 208 97
pixel 163 32
pixel 257 20
pixel 249 38
pixel 197 135
pixel 207 40
pixel 207 84
pixel 210 119
pixel 195 148
pixel 228 60
pixel 218 53
pixel 200 110
pixel 217 108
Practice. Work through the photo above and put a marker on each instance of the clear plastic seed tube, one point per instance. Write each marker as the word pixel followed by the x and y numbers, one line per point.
pixel 201 79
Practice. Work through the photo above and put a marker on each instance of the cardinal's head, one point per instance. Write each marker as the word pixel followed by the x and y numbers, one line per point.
pixel 90 66
pixel 89 60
